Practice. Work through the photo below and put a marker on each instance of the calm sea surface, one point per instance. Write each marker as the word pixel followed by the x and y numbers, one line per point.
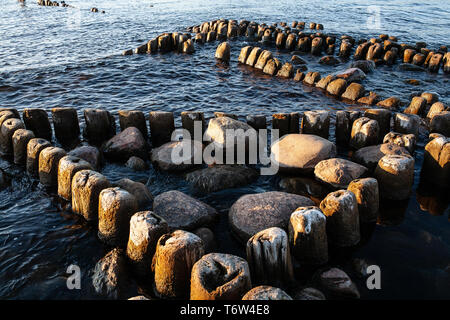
pixel 54 56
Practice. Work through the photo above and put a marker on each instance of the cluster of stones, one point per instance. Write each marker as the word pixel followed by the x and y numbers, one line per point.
pixel 166 42
pixel 50 3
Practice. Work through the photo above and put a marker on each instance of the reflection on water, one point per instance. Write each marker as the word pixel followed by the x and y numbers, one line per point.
pixel 54 56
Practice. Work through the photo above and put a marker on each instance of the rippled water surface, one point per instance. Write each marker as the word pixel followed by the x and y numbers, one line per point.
pixel 54 56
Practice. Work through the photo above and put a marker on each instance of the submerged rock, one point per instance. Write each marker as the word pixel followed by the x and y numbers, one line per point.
pixel 126 144
pixel 171 156
pixel 220 177
pixel 182 211
pixel 266 293
pixel 338 172
pixel 301 152
pixel 337 284
pixel 139 190
pixel 252 213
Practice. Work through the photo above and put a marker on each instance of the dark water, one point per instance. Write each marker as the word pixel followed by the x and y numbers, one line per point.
pixel 54 56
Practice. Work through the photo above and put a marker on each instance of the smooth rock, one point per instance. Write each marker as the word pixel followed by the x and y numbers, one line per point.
pixel 338 172
pixel 125 144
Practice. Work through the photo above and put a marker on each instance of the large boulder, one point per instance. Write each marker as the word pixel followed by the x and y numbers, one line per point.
pixel 182 211
pixel 220 177
pixel 301 152
pixel 178 155
pixel 220 131
pixel 338 172
pixel 252 213
pixel 369 156
pixel 126 144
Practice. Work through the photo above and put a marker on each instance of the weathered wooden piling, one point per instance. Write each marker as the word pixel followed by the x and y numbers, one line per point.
pixel 37 121
pixel 344 124
pixel 364 133
pixel 67 167
pixel 66 126
pixel 269 257
pixel 115 209
pixel 316 122
pixel 162 126
pixel 308 236
pixel 383 118
pixel 367 197
pixel 406 123
pixel 133 118
pixel 99 125
pixel 189 119
pixel 86 188
pixel 48 165
pixel 341 209
pixel 175 255
pixel 7 130
pixel 219 276
pixel 20 140
pixel 395 175
pixel 34 148
pixel 436 162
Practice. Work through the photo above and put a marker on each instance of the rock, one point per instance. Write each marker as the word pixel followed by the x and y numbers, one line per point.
pixel 218 276
pixel 20 140
pixel 266 293
pixel 337 284
pixel 367 198
pixel 178 155
pixel 220 177
pixel 139 190
pixel 338 172
pixel 311 78
pixel 161 127
pixel 341 209
pixel 395 175
pixel 269 257
pixel 223 51
pixel 65 124
pixel 265 56
pixel 139 298
pixel 436 163
pixel 67 167
pixel 34 148
pixel 371 99
pixel 133 118
pixel 417 106
pixel 109 278
pixel 176 253
pixel 419 59
pixel 436 108
pixel 126 144
pixel 207 237
pixel 308 237
pixel 252 213
pixel 88 153
pixel 309 294
pixel 303 186
pixel 365 132
pixel 115 209
pixel 337 87
pixel 48 165
pixel 297 60
pixel 353 92
pixel 407 141
pixel 220 132
pixel 369 156
pixel 390 103
pixel 182 211
pixel 7 130
pixel 86 188
pixel 37 121
pixel 245 52
pixel 407 123
pixel 440 123
pixel 365 66
pixel 286 71
pixel 136 164
pixel 351 75
pixel 99 125
pixel 329 60
pixel 316 122
pixel 410 67
pixel 301 152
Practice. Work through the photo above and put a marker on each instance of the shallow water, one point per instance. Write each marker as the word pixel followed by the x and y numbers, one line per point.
pixel 54 56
